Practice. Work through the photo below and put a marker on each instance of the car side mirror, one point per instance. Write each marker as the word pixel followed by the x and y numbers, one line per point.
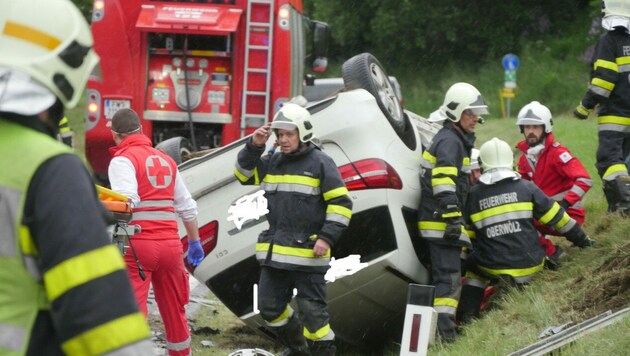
pixel 320 46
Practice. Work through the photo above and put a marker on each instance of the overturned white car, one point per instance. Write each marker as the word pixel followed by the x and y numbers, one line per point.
pixel 377 147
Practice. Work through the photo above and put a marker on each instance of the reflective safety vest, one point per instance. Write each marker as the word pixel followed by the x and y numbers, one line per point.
pixel 22 294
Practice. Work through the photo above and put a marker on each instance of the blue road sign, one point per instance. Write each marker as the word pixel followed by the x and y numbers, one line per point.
pixel 510 62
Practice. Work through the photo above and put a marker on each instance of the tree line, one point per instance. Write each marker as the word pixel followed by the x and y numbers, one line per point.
pixel 407 33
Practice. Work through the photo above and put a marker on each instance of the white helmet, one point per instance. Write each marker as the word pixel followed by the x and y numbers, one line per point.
pixel 460 97
pixel 474 159
pixel 615 13
pixel 51 42
pixel 496 154
pixel 535 113
pixel 292 116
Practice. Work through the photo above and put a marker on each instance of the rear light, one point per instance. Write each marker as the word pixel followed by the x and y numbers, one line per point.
pixel 370 174
pixel 93 110
pixel 98 10
pixel 208 237
pixel 283 17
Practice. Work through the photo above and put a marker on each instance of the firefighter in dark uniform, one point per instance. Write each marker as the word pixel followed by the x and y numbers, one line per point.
pixel 445 183
pixel 63 285
pixel 610 89
pixel 501 210
pixel 309 208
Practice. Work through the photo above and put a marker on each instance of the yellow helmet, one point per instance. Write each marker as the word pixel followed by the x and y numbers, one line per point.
pixel 51 42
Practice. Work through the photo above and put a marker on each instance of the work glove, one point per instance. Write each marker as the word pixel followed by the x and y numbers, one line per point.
pixel 195 252
pixel 581 112
pixel 453 229
pixel 564 204
pixel 586 242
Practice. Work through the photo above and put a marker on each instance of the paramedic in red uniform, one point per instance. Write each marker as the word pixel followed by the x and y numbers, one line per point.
pixel 553 169
pixel 157 193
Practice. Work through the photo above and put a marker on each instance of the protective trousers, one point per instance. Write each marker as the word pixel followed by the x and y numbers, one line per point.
pixel 612 152
pixel 162 264
pixel 446 277
pixel 275 293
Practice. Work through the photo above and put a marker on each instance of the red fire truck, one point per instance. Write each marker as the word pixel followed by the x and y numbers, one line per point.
pixel 199 73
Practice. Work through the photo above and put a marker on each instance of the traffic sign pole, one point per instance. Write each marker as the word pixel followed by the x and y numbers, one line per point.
pixel 510 63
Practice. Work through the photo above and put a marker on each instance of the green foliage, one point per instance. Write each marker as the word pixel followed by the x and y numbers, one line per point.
pixel 85 6
pixel 410 33
pixel 553 70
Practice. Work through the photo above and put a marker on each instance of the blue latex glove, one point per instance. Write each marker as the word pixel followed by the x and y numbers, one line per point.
pixel 195 252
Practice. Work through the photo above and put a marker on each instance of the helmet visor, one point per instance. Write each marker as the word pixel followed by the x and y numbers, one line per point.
pixel 278 125
pixel 478 110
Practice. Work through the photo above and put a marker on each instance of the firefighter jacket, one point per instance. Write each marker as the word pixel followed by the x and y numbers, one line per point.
pixel 609 86
pixel 59 275
pixel 502 215
pixel 557 173
pixel 155 175
pixel 307 200
pixel 445 182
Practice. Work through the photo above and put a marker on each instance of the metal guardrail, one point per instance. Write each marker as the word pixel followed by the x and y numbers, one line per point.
pixel 572 333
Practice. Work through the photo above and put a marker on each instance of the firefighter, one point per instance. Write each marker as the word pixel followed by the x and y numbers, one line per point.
pixel 63 285
pixel 610 89
pixel 553 169
pixel 309 208
pixel 501 210
pixel 445 183
pixel 157 193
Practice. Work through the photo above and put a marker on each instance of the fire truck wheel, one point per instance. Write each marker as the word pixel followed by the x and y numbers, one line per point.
pixel 364 71
pixel 178 148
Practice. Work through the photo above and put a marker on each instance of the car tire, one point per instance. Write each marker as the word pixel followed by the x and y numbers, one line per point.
pixel 176 147
pixel 364 71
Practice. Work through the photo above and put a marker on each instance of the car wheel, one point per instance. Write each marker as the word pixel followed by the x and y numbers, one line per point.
pixel 364 71
pixel 176 147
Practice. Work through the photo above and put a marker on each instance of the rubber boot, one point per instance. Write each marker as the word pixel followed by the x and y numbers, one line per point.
pixel 447 329
pixel 469 304
pixel 623 188
pixel 323 348
pixel 611 194
pixel 292 337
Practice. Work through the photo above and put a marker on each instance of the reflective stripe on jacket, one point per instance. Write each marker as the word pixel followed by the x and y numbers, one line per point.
pixel 503 214
pixel 155 175
pixel 557 173
pixel 307 200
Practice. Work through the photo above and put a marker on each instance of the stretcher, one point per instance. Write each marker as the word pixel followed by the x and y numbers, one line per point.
pixel 119 207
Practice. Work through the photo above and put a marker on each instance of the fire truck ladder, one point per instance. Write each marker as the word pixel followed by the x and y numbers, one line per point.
pixel 257 64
